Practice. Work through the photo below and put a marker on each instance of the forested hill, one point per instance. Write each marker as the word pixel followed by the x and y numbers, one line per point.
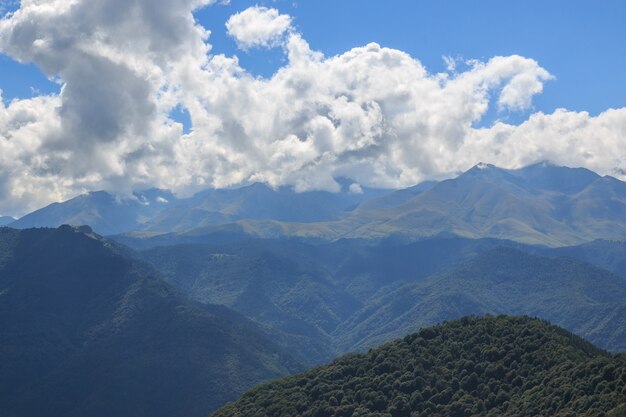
pixel 86 331
pixel 492 366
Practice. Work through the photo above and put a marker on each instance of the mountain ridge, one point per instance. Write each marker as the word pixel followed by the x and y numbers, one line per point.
pixel 86 330
pixel 542 204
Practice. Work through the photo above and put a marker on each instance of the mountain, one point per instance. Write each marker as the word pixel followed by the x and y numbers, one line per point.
pixel 301 290
pixel 584 299
pixel 541 204
pixel 85 330
pixel 4 220
pixel 492 366
pixel 527 205
pixel 259 202
pixel 304 291
pixel 160 211
pixel 106 213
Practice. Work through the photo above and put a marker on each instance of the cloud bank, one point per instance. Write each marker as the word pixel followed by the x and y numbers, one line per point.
pixel 373 114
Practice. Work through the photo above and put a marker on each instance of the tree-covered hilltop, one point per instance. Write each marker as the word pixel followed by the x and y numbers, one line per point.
pixel 491 366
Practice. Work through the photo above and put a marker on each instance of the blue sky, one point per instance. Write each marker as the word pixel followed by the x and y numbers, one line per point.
pixel 582 43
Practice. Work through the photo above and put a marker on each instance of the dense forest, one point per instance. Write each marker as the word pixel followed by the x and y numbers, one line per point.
pixel 491 366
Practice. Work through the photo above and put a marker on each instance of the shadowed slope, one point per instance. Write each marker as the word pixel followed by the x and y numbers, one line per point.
pixel 86 331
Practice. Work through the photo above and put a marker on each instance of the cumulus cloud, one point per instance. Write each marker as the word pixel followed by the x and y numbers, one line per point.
pixel 258 27
pixel 118 62
pixel 372 114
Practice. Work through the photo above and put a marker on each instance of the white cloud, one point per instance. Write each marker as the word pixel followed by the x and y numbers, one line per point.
pixel 372 114
pixel 258 27
pixel 355 188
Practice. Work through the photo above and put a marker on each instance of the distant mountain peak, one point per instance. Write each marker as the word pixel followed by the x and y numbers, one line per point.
pixel 487 171
pixel 105 212
pixel 482 166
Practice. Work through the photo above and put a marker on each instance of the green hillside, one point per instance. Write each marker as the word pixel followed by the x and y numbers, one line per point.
pixel 492 366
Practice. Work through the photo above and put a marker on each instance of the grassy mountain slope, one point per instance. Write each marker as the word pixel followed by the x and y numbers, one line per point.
pixel 540 204
pixel 84 330
pixel 493 366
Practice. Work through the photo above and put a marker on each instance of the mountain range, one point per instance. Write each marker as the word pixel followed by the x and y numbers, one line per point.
pixel 158 211
pixel 259 202
pixel 540 204
pixel 579 297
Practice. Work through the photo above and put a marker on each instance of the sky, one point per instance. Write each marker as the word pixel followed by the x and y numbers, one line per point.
pixel 193 94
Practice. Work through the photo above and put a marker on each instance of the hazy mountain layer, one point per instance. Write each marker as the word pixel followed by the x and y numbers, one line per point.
pixel 349 295
pixel 160 211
